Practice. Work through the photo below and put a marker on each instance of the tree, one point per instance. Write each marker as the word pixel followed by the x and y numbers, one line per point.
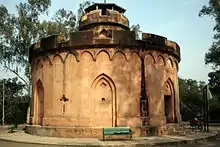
pixel 16 102
pixel 137 31
pixel 63 22
pixel 212 57
pixel 191 96
pixel 18 32
pixel 81 12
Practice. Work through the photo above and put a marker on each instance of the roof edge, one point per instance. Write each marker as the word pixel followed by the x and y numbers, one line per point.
pixel 120 9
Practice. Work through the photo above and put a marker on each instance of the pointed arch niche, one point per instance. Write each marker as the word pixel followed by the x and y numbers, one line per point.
pixel 103 101
pixel 169 101
pixel 39 102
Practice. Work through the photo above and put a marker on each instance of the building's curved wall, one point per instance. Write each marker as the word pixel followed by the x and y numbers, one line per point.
pixel 95 16
pixel 89 75
pixel 160 69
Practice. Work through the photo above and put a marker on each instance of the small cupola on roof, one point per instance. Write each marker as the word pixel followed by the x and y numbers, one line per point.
pixel 104 15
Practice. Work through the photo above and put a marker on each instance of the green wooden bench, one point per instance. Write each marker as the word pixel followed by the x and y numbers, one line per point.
pixel 117 131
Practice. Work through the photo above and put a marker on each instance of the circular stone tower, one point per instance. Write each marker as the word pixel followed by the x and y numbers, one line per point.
pixel 103 77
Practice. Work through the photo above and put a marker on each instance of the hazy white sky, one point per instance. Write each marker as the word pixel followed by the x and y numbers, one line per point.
pixel 176 20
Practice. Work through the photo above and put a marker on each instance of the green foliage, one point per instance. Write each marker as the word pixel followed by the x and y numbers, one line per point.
pixel 212 57
pixel 18 32
pixel 16 103
pixel 191 96
pixel 12 128
pixel 81 12
pixel 192 103
pixel 137 31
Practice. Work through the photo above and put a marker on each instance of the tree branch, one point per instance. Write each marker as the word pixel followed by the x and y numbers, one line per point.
pixel 13 71
pixel 21 56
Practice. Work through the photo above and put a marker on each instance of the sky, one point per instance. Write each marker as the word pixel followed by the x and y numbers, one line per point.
pixel 177 20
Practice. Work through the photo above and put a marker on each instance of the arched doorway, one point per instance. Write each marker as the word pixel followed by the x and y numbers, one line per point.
pixel 40 102
pixel 103 104
pixel 169 102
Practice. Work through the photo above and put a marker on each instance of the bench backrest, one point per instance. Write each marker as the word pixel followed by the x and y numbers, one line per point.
pixel 119 130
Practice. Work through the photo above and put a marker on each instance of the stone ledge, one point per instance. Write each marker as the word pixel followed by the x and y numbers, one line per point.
pixel 23 139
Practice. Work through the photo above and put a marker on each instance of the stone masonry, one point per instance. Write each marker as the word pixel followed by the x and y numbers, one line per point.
pixel 103 77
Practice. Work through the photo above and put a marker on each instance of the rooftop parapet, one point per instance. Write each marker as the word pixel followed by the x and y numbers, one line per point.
pixel 111 6
pixel 122 39
pixel 160 40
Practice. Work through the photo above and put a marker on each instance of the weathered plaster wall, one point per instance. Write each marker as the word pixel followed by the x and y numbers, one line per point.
pixel 160 69
pixel 94 74
pixel 96 16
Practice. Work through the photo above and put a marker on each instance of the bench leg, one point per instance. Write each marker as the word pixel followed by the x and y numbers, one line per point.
pixel 103 134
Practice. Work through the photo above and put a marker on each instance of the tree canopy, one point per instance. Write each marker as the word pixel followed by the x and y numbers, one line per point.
pixel 212 57
pixel 19 31
pixel 16 102
pixel 137 30
pixel 191 96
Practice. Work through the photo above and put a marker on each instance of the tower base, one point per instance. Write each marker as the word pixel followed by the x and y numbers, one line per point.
pixel 85 132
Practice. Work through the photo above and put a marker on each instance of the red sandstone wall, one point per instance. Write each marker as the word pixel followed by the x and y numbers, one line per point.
pixel 89 76
pixel 160 68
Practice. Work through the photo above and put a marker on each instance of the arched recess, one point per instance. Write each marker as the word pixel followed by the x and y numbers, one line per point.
pixel 59 57
pixel 134 53
pixel 169 101
pixel 39 105
pixel 103 101
pixel 119 52
pixel 161 60
pixel 135 82
pixel 169 63
pixel 103 51
pixel 47 60
pixel 89 53
pixel 58 66
pixel 74 54
pixel 150 58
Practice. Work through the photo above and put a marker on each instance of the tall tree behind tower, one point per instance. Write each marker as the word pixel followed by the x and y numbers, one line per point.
pixel 18 32
pixel 212 57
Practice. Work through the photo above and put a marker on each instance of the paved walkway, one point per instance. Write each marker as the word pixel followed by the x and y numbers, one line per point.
pixel 21 139
pixel 203 144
